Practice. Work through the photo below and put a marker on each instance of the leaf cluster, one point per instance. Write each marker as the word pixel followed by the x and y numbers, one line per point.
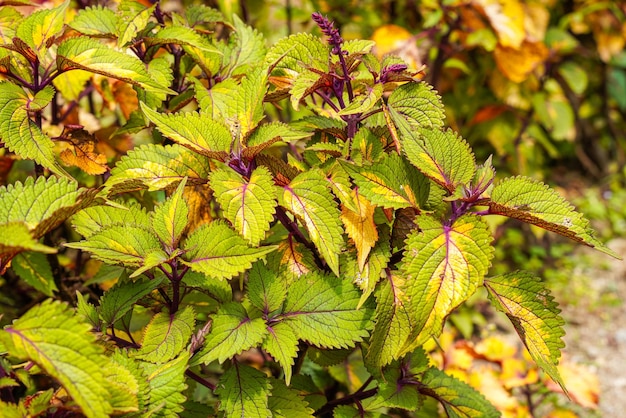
pixel 233 263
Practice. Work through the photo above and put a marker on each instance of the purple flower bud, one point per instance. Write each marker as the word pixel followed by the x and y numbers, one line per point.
pixel 328 28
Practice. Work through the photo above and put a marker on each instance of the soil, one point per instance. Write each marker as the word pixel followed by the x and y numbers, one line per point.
pixel 596 325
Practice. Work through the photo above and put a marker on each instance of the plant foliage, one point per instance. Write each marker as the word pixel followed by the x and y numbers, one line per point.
pixel 231 263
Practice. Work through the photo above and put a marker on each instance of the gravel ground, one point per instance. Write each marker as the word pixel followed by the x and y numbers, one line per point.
pixel 596 327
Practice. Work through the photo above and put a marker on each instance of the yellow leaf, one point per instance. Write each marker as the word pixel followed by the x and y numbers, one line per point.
pixel 536 20
pixel 562 413
pixel 361 228
pixel 486 381
pixel 582 384
pixel 507 20
pixel 198 198
pixel 516 373
pixel 393 39
pixel 82 155
pixel 517 64
pixel 495 348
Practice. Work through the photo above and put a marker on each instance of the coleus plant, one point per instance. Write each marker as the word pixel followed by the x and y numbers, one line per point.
pixel 254 261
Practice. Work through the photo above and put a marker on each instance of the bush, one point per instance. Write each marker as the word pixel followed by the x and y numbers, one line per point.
pixel 229 260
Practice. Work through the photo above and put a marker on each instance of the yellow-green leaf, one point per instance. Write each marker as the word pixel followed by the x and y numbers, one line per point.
pixel 443 265
pixel 525 300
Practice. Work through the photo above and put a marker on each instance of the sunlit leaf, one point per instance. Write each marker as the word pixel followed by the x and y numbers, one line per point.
pixel 534 314
pixel 459 400
pixel 156 167
pixel 196 131
pixel 308 197
pixel 444 265
pixel 216 250
pixel 323 310
pixel 20 134
pixel 248 204
pixel 54 338
pixel 166 335
pixel 536 203
pixel 88 54
pixel 232 332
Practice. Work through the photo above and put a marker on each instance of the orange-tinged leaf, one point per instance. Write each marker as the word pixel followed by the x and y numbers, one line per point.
pixel 516 373
pixel 536 20
pixel 507 19
pixel 485 379
pixel 361 228
pixel 83 156
pixel 517 63
pixel 583 385
pixel 198 199
pixel 126 97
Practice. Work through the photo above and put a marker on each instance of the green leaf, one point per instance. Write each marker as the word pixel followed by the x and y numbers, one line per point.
pixel 87 54
pixel 167 335
pixel 269 133
pixel 95 21
pixel 15 237
pixel 157 167
pixel 169 220
pixel 216 250
pixel 458 399
pixel 322 310
pixel 72 83
pixel 232 332
pixel 139 386
pixel 442 156
pixel 416 105
pixel 534 314
pixel 94 219
pixel 391 182
pixel 289 56
pixel 266 290
pixel 248 204
pixel 536 203
pixel 42 204
pixel 243 392
pixel 249 49
pixel 196 131
pixel 308 197
pixel 123 388
pixel 133 18
pixel 305 84
pixel 281 343
pixel 396 388
pixel 35 270
pixel 362 104
pixel 54 338
pixel 119 300
pixel 182 35
pixel 20 134
pixel 287 403
pixel 393 324
pixel 125 245
pixel 40 28
pixel 41 99
pixel 443 266
pixel 167 386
